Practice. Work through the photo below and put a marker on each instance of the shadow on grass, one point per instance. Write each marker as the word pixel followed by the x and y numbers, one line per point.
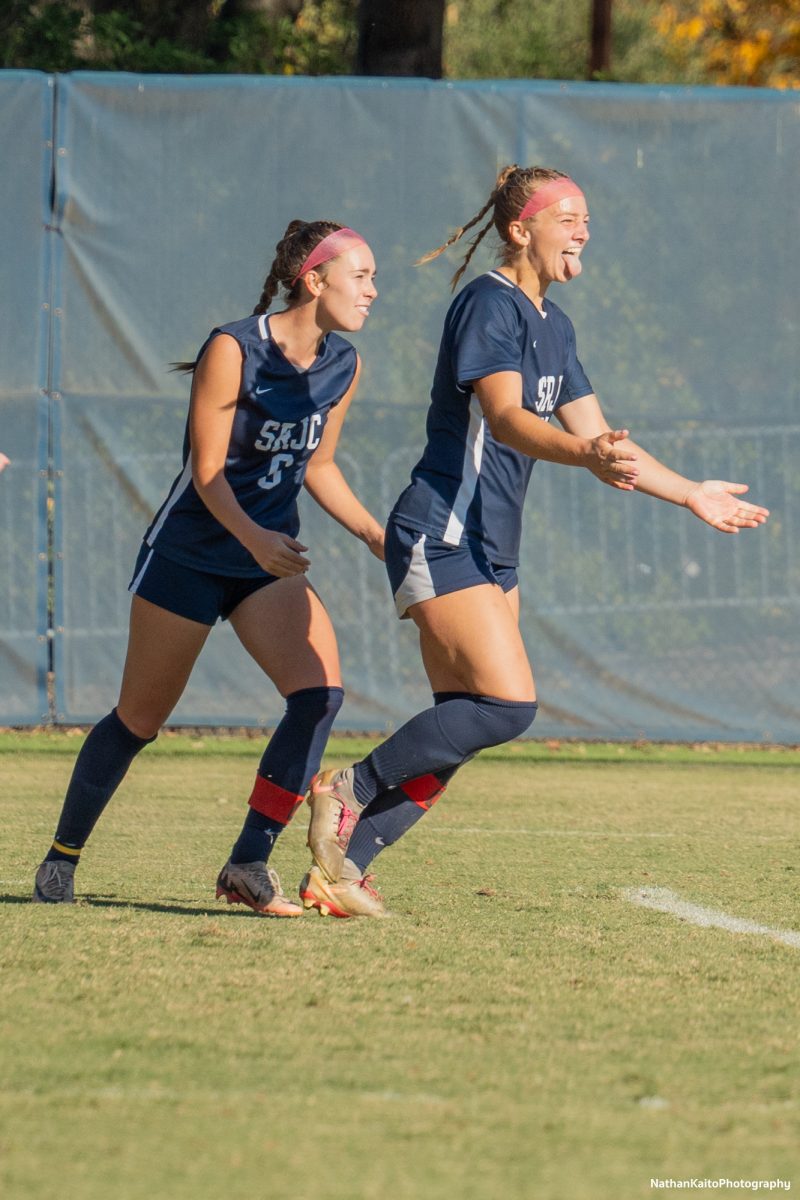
pixel 176 909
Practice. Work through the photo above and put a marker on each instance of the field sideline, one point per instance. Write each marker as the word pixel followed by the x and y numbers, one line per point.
pixel 524 1029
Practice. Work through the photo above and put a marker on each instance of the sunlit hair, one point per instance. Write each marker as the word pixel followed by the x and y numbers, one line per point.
pixel 291 252
pixel 514 187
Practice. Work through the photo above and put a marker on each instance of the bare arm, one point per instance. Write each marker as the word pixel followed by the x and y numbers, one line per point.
pixel 713 501
pixel 327 485
pixel 215 391
pixel 602 453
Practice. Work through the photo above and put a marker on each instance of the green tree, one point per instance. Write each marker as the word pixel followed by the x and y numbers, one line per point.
pixel 308 37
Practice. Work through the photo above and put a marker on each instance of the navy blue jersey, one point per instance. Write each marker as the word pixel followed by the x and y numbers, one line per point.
pixel 280 415
pixel 467 486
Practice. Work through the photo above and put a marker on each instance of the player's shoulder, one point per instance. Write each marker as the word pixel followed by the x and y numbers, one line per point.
pixel 486 294
pixel 556 315
pixel 246 330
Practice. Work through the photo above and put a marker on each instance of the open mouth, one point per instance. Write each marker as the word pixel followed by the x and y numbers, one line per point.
pixel 572 261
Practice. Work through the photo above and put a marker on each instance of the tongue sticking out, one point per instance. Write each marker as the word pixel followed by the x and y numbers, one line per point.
pixel 572 265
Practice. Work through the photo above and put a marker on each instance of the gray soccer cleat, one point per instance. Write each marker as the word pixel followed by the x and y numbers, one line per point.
pixel 55 883
pixel 257 886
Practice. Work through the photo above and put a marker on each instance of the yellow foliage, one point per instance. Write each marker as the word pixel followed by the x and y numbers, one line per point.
pixel 690 31
pixel 746 42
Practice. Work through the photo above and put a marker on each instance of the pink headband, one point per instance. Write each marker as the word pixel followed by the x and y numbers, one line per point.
pixel 330 247
pixel 547 194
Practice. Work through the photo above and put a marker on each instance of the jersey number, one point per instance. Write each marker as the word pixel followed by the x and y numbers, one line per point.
pixel 275 473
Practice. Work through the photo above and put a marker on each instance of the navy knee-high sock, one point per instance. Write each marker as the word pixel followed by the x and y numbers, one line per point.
pixel 99 769
pixel 440 737
pixel 389 816
pixel 287 766
pixel 392 813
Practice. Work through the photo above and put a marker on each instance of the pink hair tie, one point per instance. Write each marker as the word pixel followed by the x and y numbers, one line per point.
pixel 330 247
pixel 547 194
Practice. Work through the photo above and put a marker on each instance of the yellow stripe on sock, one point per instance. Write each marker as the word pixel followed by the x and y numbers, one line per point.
pixel 66 849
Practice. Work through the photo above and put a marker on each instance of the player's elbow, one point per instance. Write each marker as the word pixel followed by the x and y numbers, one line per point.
pixel 502 425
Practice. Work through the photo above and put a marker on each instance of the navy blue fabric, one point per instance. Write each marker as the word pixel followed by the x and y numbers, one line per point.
pixel 279 420
pixel 290 761
pixel 197 595
pixel 392 813
pixel 295 749
pixel 99 769
pixel 441 737
pixel 449 568
pixel 467 486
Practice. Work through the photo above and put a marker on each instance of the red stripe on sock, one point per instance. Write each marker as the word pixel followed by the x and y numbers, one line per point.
pixel 273 801
pixel 425 790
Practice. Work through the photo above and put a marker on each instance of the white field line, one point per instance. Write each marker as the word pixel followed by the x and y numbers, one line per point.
pixel 663 900
pixel 581 833
pixel 589 833
pixel 156 1093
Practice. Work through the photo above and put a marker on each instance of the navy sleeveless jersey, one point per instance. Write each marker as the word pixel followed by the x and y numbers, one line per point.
pixel 467 487
pixel 280 415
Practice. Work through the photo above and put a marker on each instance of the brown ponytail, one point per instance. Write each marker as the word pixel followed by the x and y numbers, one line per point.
pixel 513 188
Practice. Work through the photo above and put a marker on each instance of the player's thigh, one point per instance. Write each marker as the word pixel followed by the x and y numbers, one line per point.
pixel 286 629
pixel 162 650
pixel 471 642
pixel 512 599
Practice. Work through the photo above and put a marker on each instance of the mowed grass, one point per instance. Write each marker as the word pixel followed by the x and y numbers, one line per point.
pixel 518 1031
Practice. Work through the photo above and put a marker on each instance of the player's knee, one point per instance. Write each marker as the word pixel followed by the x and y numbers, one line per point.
pixel 315 706
pixel 505 720
pixel 142 725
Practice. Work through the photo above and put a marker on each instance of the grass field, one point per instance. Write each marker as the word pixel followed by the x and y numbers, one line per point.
pixel 519 1031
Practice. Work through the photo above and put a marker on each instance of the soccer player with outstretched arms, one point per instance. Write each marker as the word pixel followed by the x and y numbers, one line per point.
pixel 507 364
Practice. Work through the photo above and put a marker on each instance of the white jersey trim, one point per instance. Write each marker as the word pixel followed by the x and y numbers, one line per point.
pixel 180 487
pixel 263 327
pixel 470 473
pixel 501 278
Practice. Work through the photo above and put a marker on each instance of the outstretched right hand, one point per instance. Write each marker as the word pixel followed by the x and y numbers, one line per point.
pixel 279 554
pixel 613 466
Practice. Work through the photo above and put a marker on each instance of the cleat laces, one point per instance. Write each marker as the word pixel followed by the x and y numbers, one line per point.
pixel 345 825
pixel 366 884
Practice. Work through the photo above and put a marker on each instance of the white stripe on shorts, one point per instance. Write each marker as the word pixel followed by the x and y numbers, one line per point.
pixel 473 453
pixel 418 582
pixel 135 585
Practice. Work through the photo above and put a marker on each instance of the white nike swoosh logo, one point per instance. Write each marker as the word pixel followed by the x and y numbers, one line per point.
pixel 260 391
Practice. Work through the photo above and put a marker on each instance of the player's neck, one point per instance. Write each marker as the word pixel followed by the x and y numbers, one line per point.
pixel 297 334
pixel 527 280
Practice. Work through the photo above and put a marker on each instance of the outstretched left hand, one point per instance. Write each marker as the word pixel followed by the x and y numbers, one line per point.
pixel 715 502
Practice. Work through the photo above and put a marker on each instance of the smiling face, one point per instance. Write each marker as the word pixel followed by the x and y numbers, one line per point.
pixel 558 235
pixel 344 289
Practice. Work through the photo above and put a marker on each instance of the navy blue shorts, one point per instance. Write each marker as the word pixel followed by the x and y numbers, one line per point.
pixel 420 567
pixel 196 595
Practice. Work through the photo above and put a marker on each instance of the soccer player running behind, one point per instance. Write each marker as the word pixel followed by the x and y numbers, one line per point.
pixel 269 396
pixel 507 364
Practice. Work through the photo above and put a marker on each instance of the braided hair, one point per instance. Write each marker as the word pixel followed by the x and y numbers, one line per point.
pixel 513 188
pixel 291 252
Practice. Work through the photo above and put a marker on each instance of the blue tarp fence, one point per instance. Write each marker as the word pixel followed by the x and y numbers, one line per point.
pixel 138 212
